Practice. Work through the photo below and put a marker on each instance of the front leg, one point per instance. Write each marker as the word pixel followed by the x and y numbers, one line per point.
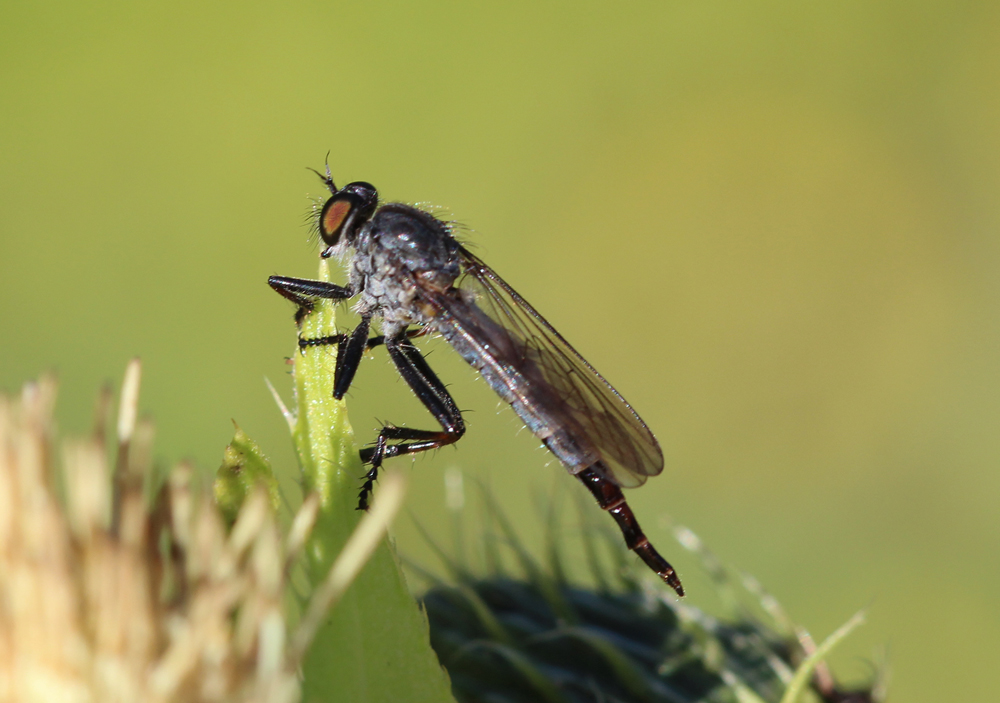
pixel 305 292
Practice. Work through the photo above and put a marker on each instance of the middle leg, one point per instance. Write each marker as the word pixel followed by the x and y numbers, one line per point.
pixel 350 350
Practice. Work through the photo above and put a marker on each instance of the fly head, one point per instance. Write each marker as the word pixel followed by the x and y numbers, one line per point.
pixel 346 212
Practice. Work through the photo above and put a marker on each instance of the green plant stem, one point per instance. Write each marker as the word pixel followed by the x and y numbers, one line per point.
pixel 374 645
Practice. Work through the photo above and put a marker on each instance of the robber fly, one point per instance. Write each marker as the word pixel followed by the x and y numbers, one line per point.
pixel 407 269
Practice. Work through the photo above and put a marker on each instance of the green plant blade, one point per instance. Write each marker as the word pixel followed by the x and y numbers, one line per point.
pixel 374 645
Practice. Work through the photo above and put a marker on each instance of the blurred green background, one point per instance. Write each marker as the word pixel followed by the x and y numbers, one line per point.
pixel 772 225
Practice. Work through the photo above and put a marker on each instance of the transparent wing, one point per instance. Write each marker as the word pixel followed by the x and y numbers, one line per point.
pixel 555 391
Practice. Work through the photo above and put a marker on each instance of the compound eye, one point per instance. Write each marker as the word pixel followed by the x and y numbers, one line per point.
pixel 333 217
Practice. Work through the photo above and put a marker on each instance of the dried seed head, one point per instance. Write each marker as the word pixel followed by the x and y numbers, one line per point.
pixel 113 596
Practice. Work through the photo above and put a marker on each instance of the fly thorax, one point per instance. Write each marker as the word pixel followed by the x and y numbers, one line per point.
pixel 386 288
pixel 404 255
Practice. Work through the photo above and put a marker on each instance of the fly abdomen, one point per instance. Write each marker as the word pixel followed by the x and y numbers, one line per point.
pixel 610 498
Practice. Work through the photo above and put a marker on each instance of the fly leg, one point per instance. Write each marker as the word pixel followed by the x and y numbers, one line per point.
pixel 410 334
pixel 350 350
pixel 435 397
pixel 372 342
pixel 610 498
pixel 305 292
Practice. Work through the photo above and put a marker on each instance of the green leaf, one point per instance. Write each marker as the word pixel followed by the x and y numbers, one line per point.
pixel 374 645
pixel 243 467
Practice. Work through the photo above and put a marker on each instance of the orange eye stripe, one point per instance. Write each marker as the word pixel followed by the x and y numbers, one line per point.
pixel 335 215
